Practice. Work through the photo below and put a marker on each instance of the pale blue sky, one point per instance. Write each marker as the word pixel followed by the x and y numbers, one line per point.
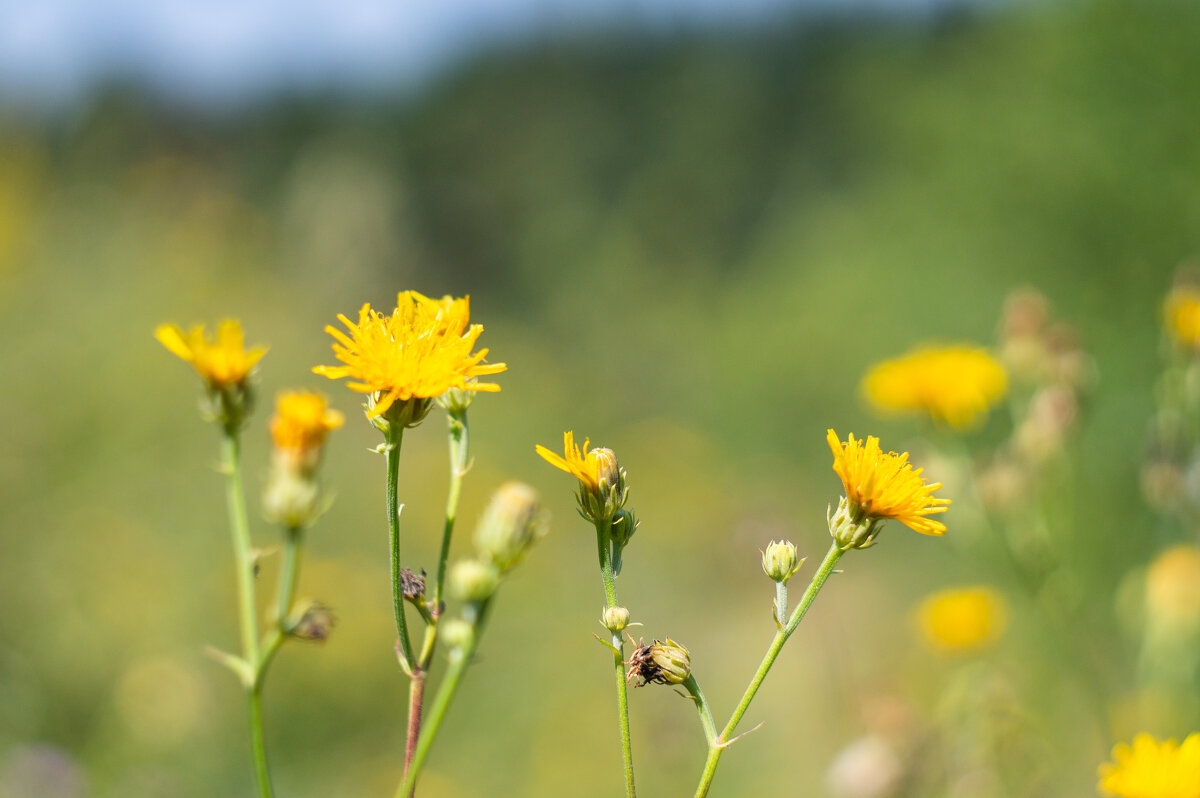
pixel 229 50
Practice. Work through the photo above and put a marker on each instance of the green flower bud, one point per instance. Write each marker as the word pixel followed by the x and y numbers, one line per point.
pixel 473 580
pixel 291 497
pixel 779 560
pixel 508 525
pixel 603 498
pixel 457 633
pixel 456 400
pixel 660 663
pixel 614 619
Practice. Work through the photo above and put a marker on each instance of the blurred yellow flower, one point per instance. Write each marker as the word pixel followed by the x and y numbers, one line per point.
pixel 222 363
pixel 962 619
pixel 302 420
pixel 954 384
pixel 421 350
pixel 590 468
pixel 1173 584
pixel 1150 769
pixel 886 486
pixel 1182 313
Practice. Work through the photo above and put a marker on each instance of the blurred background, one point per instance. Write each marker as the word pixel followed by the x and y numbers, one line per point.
pixel 689 229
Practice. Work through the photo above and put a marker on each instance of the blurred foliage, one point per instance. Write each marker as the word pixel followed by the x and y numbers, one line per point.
pixel 688 249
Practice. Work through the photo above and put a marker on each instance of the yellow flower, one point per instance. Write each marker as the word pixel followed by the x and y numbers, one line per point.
pixel 955 384
pixel 1150 769
pixel 589 469
pixel 1173 585
pixel 882 486
pixel 421 350
pixel 602 490
pixel 962 619
pixel 302 420
pixel 222 363
pixel 1183 316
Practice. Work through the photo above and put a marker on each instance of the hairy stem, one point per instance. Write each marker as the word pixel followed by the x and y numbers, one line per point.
pixel 604 549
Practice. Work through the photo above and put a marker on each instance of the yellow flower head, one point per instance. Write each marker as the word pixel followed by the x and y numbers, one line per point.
pixel 884 485
pixel 1182 313
pixel 222 363
pixel 954 384
pixel 1173 585
pixel 421 350
pixel 602 490
pixel 302 420
pixel 590 468
pixel 962 619
pixel 1150 769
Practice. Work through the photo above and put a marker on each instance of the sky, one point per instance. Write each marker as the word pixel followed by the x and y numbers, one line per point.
pixel 227 51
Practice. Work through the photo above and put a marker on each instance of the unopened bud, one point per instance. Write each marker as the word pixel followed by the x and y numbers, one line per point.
pixel 315 623
pixel 508 525
pixel 456 400
pixel 614 619
pixel 779 560
pixel 660 663
pixel 457 634
pixel 473 580
pixel 292 496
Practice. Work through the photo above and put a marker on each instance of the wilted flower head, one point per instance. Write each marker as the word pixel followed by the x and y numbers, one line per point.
pixel 660 663
pixel 956 385
pixel 962 619
pixel 880 486
pixel 1150 769
pixel 223 362
pixel 420 351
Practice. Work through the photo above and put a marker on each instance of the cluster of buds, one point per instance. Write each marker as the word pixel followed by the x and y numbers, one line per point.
pixel 511 524
pixel 293 495
pixel 1052 372
pixel 660 663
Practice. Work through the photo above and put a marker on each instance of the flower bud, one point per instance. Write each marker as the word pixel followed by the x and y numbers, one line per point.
pixel 660 663
pixel 508 525
pixel 316 622
pixel 291 497
pixel 852 528
pixel 473 580
pixel 779 560
pixel 456 400
pixel 457 633
pixel 614 619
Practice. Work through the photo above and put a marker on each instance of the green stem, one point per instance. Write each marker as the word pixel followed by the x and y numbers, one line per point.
pixel 781 602
pixel 244 560
pixel 722 742
pixel 293 545
pixel 706 718
pixel 459 659
pixel 392 447
pixel 604 549
pixel 459 444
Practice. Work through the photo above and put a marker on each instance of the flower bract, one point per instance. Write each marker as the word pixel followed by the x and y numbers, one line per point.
pixel 883 485
pixel 955 385
pixel 421 350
